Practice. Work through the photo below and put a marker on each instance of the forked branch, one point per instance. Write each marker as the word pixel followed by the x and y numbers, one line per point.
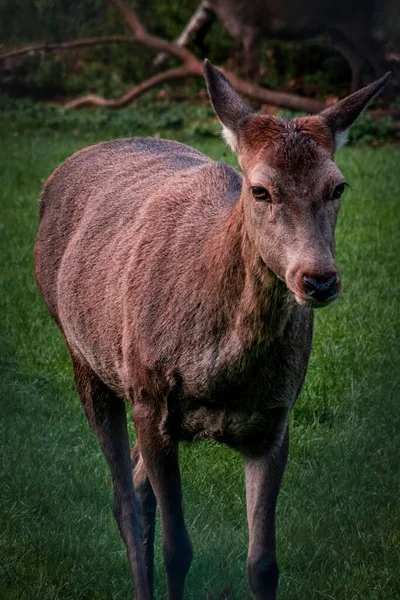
pixel 191 66
pixel 142 36
pixel 133 93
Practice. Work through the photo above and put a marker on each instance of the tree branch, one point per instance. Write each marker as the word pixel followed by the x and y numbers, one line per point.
pixel 283 99
pixel 95 41
pixel 142 36
pixel 191 67
pixel 393 56
pixel 133 93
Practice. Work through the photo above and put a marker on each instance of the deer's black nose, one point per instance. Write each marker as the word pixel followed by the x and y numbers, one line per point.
pixel 320 288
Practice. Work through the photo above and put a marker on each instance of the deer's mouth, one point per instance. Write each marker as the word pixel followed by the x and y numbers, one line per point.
pixel 305 300
pixel 315 289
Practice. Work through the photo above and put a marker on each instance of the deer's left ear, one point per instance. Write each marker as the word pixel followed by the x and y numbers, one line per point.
pixel 231 110
pixel 342 115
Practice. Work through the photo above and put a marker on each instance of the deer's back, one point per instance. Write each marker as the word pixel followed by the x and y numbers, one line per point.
pixel 120 221
pixel 106 184
pixel 292 19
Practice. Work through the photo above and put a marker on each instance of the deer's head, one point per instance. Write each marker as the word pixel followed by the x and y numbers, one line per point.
pixel 291 185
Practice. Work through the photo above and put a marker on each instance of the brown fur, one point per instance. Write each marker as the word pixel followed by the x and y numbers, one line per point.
pixel 177 291
pixel 264 131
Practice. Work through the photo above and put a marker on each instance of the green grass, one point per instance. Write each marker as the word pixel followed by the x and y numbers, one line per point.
pixel 338 516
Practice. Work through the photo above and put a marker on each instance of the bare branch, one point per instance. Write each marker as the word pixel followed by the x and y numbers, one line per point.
pixel 202 17
pixel 62 46
pixel 282 99
pixel 393 57
pixel 291 101
pixel 142 36
pixel 191 66
pixel 133 93
pixel 394 113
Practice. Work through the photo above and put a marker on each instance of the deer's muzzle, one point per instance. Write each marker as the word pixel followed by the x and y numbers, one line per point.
pixel 321 289
pixel 315 289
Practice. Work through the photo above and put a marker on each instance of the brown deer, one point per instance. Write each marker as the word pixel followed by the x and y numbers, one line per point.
pixel 188 289
pixel 349 23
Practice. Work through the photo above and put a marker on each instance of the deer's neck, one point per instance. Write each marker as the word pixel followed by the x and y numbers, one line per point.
pixel 253 303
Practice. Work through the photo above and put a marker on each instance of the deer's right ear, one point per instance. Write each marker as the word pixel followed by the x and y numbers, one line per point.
pixel 340 116
pixel 231 110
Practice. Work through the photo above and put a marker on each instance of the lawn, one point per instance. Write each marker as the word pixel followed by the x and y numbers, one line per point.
pixel 338 515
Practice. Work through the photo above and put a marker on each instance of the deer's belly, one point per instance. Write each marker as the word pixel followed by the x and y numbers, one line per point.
pixel 255 431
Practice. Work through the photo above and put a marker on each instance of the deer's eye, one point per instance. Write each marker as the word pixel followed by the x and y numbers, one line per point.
pixel 338 191
pixel 260 194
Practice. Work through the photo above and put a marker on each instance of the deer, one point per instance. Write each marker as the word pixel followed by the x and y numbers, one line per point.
pixel 350 25
pixel 185 290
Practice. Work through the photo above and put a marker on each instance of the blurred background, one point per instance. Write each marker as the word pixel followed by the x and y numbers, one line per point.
pixel 318 49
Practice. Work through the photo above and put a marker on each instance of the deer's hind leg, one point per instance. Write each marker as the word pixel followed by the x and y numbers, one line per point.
pixel 160 458
pixel 107 417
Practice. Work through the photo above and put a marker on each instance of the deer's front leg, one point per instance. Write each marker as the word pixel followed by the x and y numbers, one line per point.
pixel 160 457
pixel 263 480
pixel 148 502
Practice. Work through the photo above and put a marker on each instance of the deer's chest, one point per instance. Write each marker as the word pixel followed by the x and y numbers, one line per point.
pixel 247 409
pixel 255 431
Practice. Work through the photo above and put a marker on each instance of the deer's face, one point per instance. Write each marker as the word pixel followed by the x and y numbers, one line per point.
pixel 291 185
pixel 291 195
